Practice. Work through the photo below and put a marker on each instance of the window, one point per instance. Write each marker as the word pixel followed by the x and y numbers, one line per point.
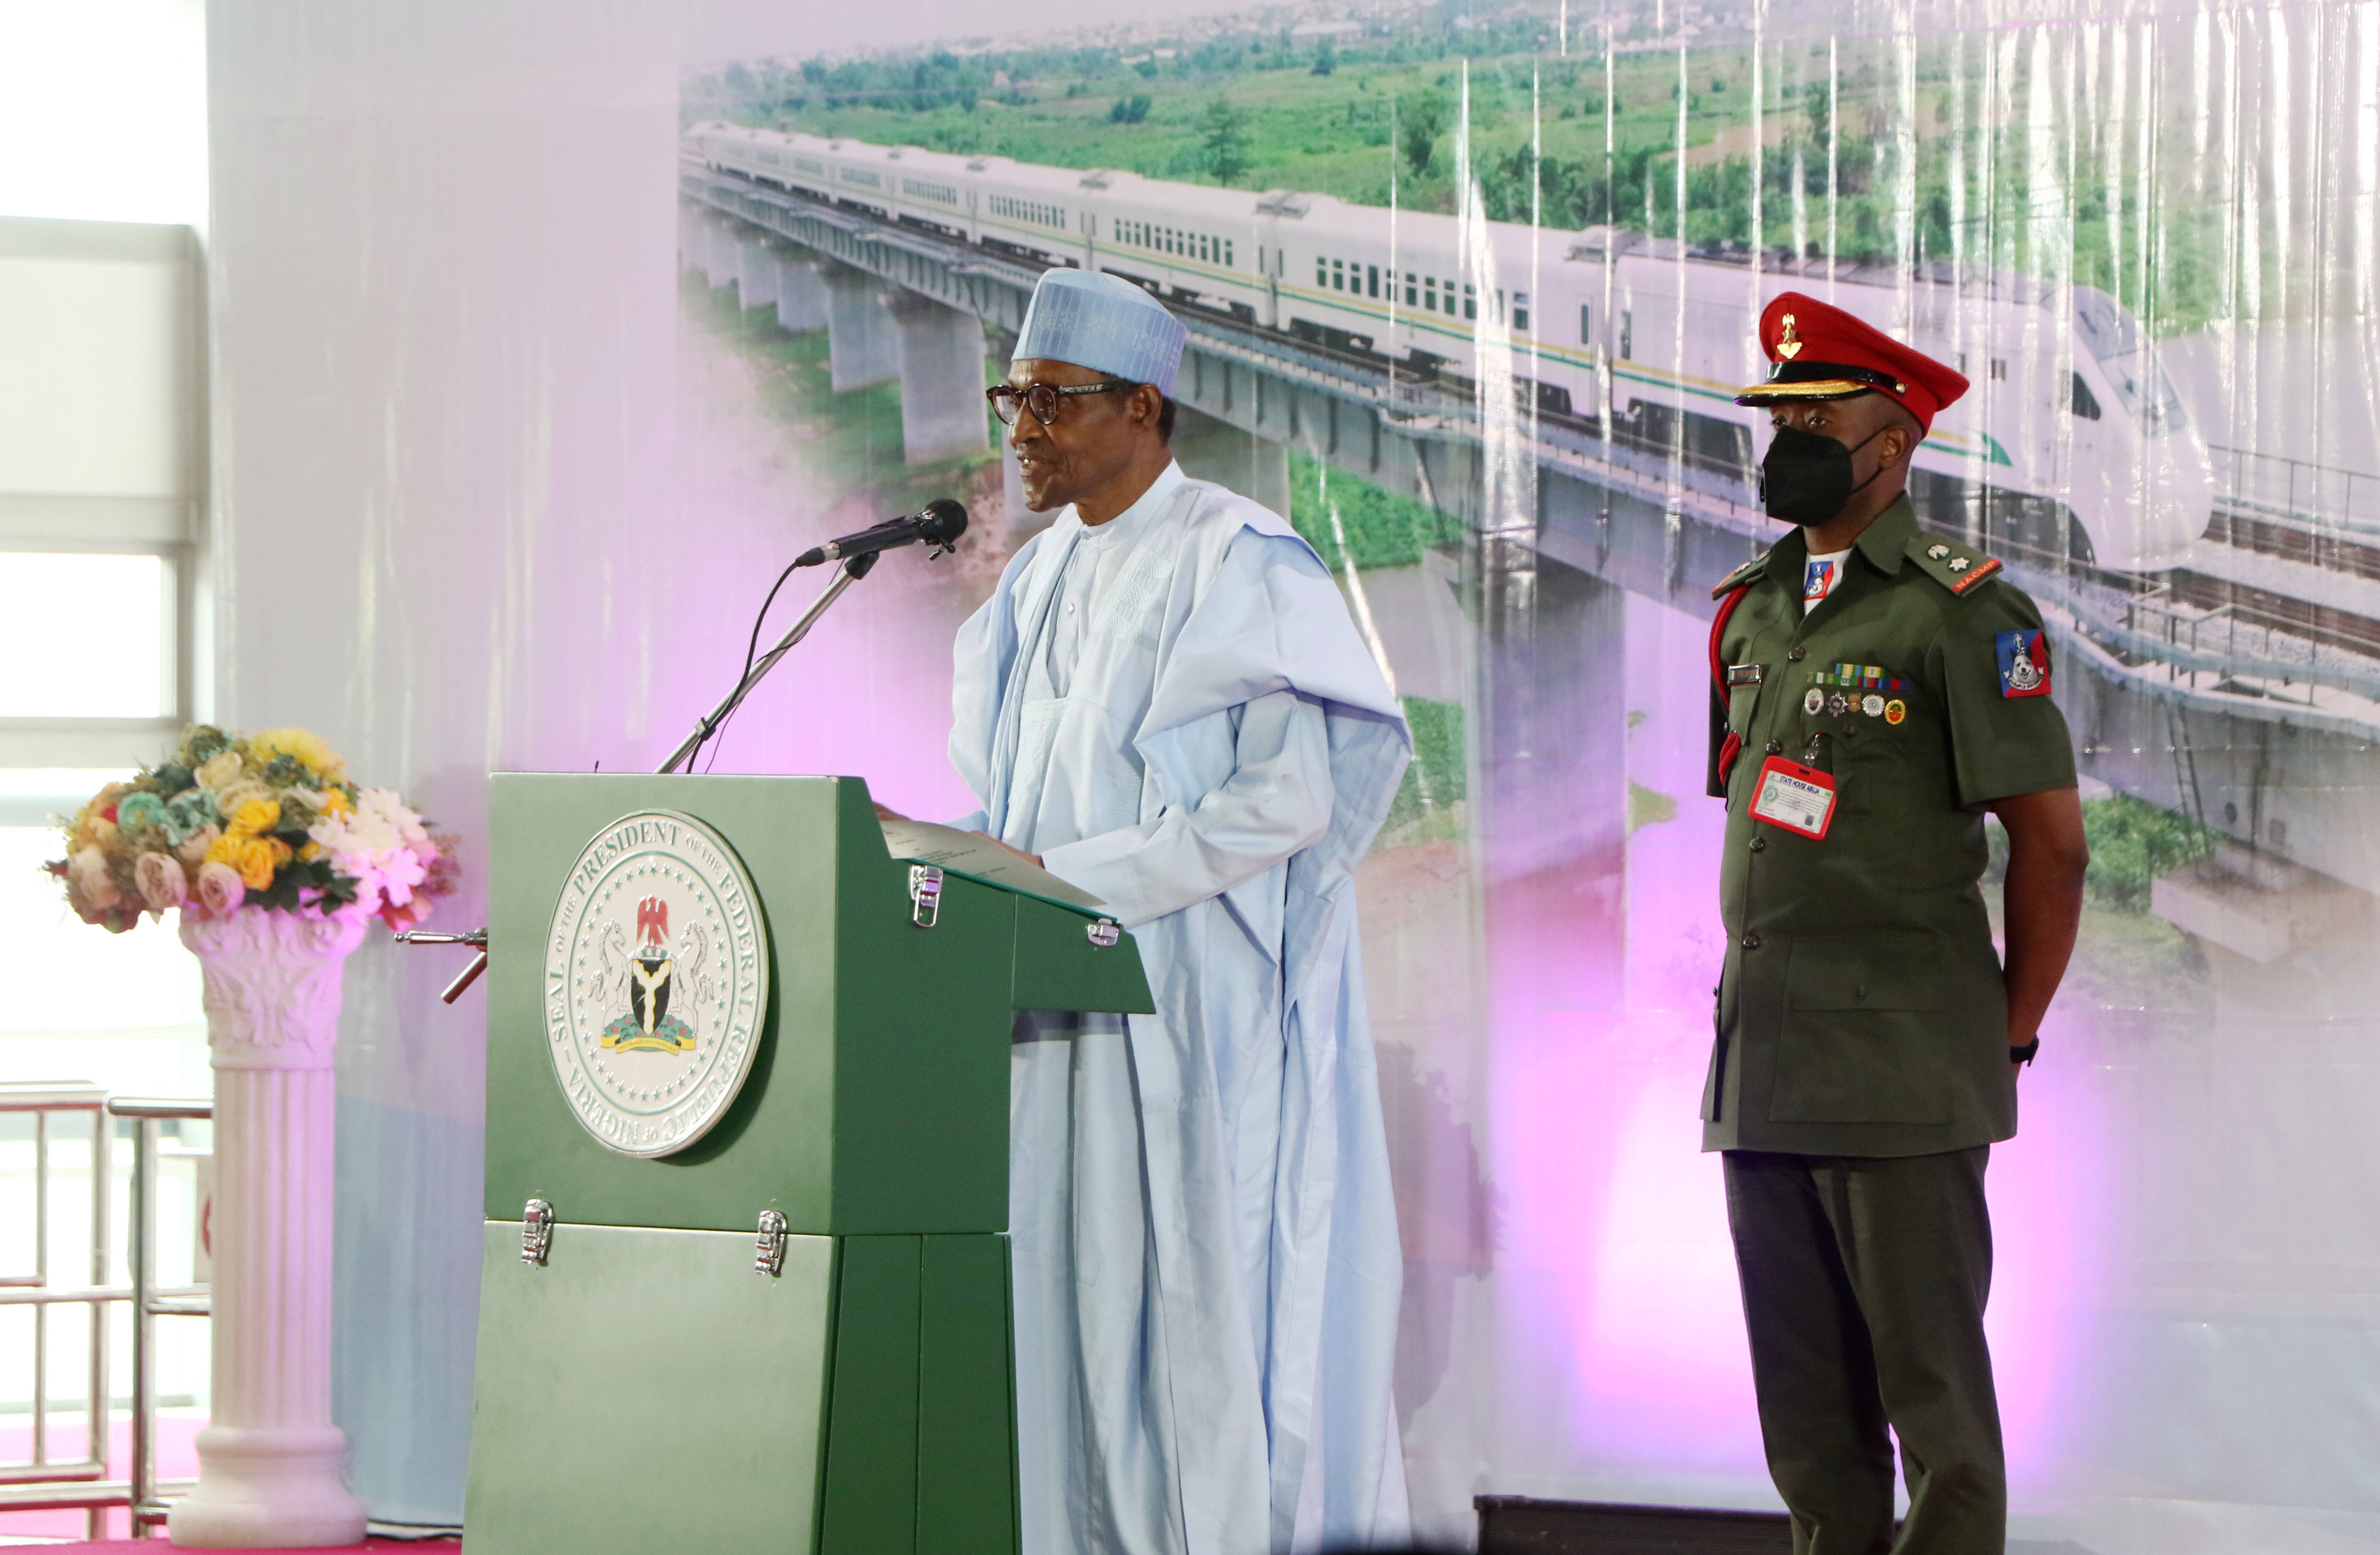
pixel 1627 335
pixel 1999 369
pixel 1470 300
pixel 104 435
pixel 1338 276
pixel 1586 324
pixel 1520 312
pixel 1227 255
pixel 1429 293
pixel 1412 300
pixel 1446 290
pixel 1321 272
pixel 2084 403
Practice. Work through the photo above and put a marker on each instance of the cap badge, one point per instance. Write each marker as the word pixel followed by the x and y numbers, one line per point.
pixel 1936 552
pixel 1786 346
pixel 1959 564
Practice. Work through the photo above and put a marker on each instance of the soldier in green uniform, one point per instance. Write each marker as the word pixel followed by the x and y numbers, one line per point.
pixel 1876 690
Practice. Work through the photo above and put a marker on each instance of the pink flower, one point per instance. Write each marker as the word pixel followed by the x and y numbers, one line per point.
pixel 87 872
pixel 163 885
pixel 221 890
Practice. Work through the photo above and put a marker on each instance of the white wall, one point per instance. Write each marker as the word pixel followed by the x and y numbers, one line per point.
pixel 443 293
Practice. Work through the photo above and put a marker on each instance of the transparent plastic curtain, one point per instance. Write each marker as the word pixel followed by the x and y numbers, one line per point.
pixel 1492 326
pixel 2147 234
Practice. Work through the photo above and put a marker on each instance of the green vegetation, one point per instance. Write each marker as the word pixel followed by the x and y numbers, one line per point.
pixel 1649 807
pixel 2132 841
pixel 1376 529
pixel 1436 782
pixel 1946 162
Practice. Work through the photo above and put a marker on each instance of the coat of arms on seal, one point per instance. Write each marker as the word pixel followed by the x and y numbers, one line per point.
pixel 656 982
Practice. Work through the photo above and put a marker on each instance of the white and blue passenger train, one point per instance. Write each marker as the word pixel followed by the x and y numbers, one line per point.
pixel 2070 443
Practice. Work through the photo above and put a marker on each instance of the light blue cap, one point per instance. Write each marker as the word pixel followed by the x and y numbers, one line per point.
pixel 1103 323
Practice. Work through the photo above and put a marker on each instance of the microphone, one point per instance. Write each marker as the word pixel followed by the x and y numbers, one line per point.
pixel 940 525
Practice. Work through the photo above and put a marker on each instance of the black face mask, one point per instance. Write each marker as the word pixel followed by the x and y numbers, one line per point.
pixel 1806 477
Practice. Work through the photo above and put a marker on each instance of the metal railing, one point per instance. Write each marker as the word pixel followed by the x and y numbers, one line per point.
pixel 150 1303
pixel 42 1482
pixel 2298 490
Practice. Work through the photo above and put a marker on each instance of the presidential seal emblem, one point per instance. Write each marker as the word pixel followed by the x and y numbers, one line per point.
pixel 656 982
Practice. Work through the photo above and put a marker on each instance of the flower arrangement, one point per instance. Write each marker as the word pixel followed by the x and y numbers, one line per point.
pixel 267 820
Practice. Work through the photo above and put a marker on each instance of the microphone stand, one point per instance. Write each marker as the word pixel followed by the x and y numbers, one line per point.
pixel 851 572
pixel 848 573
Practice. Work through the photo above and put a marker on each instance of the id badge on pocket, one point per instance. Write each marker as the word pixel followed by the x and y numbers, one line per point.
pixel 1796 797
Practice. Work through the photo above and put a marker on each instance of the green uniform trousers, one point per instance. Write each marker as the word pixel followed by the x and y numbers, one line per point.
pixel 1863 1282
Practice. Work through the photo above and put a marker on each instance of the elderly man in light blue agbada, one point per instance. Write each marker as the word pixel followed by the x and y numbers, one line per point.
pixel 1166 704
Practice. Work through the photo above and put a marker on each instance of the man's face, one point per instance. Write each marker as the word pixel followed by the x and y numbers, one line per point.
pixel 1090 442
pixel 1852 422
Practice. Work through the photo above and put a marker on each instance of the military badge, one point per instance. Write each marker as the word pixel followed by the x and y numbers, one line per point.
pixel 1839 704
pixel 1813 701
pixel 1895 711
pixel 656 982
pixel 1937 551
pixel 1872 705
pixel 2024 663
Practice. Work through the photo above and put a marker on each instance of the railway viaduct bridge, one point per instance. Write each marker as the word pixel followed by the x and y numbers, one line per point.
pixel 2228 717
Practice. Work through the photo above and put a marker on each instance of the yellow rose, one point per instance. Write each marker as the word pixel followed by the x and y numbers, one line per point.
pixel 301 745
pixel 310 851
pixel 254 818
pixel 225 850
pixel 336 802
pixel 258 857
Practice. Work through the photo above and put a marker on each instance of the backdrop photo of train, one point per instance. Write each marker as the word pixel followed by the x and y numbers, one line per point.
pixel 1474 291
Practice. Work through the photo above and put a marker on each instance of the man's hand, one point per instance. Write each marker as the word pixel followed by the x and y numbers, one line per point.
pixel 2041 899
pixel 1031 858
pixel 885 812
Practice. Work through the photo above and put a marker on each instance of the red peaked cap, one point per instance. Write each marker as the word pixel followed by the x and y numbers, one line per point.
pixel 1821 352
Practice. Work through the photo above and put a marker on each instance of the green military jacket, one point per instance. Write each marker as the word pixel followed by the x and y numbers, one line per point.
pixel 1861 1011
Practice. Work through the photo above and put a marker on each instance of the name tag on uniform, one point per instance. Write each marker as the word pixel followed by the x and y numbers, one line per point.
pixel 1745 674
pixel 1796 797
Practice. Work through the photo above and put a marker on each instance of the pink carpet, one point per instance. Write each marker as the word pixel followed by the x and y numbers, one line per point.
pixel 149 1547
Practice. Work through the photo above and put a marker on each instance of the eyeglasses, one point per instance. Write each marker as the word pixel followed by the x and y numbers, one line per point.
pixel 1040 398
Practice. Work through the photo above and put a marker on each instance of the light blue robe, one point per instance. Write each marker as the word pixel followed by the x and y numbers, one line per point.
pixel 1206 1267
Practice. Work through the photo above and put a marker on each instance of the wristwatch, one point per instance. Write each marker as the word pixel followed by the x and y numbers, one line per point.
pixel 2024 1054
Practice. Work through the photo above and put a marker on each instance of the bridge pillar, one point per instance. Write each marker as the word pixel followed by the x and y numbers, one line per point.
pixel 719 251
pixel 1553 813
pixel 1210 449
pixel 756 271
pixel 863 343
pixel 693 239
pixel 801 296
pixel 942 411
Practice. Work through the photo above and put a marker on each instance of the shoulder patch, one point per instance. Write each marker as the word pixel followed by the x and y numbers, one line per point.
pixel 1955 567
pixel 1740 576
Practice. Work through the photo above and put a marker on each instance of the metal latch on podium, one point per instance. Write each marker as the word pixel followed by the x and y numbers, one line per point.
pixel 536 1231
pixel 769 1253
pixel 925 894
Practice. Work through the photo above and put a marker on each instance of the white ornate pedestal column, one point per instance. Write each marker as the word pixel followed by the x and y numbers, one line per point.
pixel 270 1462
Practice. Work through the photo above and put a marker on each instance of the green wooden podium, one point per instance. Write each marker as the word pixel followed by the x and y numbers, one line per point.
pixel 649 1387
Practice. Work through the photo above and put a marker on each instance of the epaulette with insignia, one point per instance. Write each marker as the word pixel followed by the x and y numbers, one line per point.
pixel 1740 576
pixel 1955 567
